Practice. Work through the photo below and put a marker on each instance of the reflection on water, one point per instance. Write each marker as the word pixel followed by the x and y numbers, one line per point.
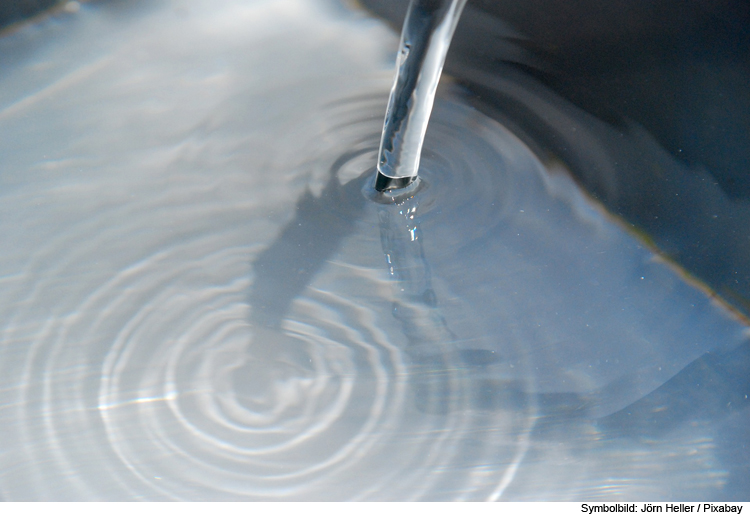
pixel 645 103
pixel 199 302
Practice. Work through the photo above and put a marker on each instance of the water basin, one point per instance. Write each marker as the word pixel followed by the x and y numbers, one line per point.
pixel 199 299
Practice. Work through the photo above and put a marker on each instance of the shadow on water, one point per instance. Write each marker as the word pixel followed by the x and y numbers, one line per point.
pixel 316 232
pixel 13 11
pixel 313 236
pixel 646 106
pixel 503 341
pixel 710 391
pixel 714 386
pixel 644 103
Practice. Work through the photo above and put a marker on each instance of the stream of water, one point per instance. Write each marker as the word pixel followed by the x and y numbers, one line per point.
pixel 200 300
pixel 425 38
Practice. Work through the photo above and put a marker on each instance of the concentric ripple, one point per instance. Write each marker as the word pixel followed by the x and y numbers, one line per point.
pixel 134 366
pixel 154 384
pixel 199 303
pixel 197 401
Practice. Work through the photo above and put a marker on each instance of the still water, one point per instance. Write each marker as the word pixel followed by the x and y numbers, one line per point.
pixel 201 300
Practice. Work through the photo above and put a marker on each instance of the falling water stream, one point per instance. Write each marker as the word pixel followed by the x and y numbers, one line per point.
pixel 425 38
pixel 195 304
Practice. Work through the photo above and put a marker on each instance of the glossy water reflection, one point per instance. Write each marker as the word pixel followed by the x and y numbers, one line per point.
pixel 198 298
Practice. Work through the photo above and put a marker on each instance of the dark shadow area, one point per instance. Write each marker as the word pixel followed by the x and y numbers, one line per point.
pixel 316 232
pixel 646 103
pixel 12 11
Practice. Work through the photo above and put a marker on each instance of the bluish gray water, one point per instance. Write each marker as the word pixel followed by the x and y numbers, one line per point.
pixel 201 302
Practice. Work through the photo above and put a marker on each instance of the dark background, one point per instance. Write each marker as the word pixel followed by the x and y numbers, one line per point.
pixel 662 85
pixel 16 10
pixel 651 111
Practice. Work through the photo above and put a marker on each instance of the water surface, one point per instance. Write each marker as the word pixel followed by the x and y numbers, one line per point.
pixel 200 302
